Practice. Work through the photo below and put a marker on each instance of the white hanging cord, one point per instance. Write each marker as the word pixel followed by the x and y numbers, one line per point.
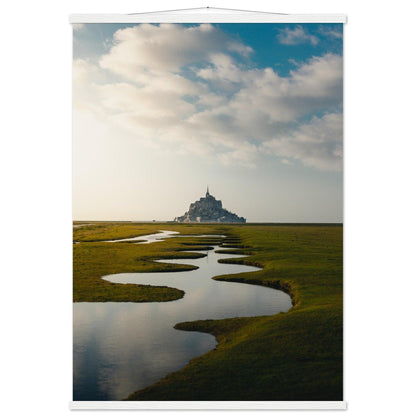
pixel 207 8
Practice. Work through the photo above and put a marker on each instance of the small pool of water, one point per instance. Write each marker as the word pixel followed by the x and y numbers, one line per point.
pixel 122 347
pixel 160 236
pixel 149 238
pixel 80 225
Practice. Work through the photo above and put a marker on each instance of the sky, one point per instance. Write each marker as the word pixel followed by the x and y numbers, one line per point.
pixel 252 110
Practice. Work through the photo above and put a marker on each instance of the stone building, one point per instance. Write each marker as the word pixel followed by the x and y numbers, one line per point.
pixel 209 209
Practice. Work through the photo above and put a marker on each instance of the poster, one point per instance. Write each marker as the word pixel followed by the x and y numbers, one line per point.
pixel 207 204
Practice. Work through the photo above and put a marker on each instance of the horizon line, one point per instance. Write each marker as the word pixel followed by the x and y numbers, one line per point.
pixel 216 223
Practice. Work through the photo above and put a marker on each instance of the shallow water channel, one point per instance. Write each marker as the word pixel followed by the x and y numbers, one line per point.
pixel 149 238
pixel 122 347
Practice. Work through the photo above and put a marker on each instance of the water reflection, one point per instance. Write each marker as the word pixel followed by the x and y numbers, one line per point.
pixel 121 347
pixel 149 238
pixel 162 235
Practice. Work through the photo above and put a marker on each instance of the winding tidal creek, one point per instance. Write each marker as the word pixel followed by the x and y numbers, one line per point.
pixel 122 347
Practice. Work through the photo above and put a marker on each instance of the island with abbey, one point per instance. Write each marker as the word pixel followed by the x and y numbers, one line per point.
pixel 209 209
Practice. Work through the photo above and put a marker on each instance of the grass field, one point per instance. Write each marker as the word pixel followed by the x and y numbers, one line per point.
pixel 94 258
pixel 291 356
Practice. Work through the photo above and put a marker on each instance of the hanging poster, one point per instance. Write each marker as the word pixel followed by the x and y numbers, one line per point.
pixel 208 211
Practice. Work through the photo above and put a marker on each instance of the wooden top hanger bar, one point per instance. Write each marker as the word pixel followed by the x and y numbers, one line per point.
pixel 207 15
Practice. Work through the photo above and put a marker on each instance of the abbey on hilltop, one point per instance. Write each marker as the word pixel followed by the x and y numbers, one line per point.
pixel 208 209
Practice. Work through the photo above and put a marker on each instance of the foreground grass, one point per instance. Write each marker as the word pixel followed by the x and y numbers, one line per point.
pixel 292 356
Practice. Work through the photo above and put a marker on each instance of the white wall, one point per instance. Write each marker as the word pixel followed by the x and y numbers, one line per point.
pixel 36 209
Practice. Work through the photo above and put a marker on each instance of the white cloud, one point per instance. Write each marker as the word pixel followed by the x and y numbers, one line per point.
pixel 217 107
pixel 263 98
pixel 166 47
pixel 85 76
pixel 245 155
pixel 78 26
pixel 296 36
pixel 332 33
pixel 239 48
pixel 317 143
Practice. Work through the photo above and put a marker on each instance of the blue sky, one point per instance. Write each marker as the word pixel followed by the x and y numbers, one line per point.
pixel 253 110
pixel 96 39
